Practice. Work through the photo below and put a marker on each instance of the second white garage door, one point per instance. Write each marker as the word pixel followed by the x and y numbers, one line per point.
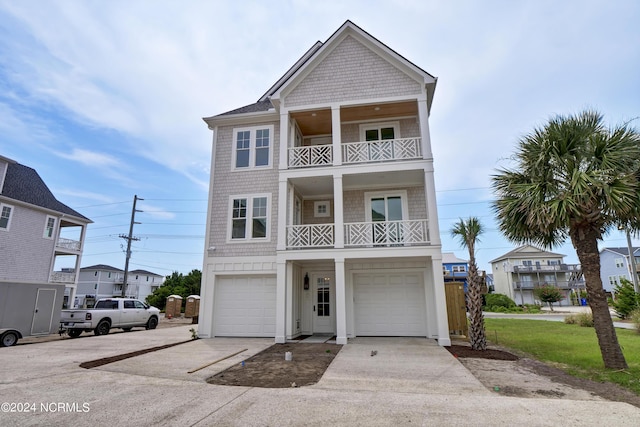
pixel 390 304
pixel 245 306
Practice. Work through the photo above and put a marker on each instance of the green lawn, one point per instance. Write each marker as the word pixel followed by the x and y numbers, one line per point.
pixel 571 348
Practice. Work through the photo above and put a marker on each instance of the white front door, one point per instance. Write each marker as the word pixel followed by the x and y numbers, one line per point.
pixel 324 303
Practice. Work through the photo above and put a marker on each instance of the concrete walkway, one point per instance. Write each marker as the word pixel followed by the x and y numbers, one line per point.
pixel 409 381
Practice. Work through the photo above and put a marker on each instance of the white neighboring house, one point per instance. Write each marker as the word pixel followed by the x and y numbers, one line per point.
pixel 41 243
pixel 518 272
pixel 105 281
pixel 322 212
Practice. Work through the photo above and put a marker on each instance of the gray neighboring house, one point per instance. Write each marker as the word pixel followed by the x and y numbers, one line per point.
pixel 104 281
pixel 41 243
pixel 615 264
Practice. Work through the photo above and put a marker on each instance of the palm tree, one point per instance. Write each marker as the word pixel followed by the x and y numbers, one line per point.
pixel 468 233
pixel 574 178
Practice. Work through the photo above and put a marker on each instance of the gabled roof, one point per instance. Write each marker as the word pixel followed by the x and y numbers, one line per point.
pixel 101 267
pixel 527 251
pixel 620 251
pixel 315 53
pixel 145 272
pixel 22 183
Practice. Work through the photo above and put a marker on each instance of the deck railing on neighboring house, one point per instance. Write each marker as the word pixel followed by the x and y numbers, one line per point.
pixel 62 277
pixel 380 151
pixel 72 245
pixel 386 233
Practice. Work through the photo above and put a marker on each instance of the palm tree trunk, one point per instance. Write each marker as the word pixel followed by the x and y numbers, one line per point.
pixel 477 336
pixel 585 241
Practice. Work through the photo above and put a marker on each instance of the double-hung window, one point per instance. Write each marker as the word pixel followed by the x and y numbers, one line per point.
pixel 50 227
pixel 5 216
pixel 249 217
pixel 253 147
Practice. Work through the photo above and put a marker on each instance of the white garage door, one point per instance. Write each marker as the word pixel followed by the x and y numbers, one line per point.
pixel 390 304
pixel 245 306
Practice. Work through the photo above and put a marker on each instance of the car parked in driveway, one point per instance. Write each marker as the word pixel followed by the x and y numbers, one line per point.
pixel 107 314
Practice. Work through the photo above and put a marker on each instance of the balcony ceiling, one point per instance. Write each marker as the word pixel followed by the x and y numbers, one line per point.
pixel 323 186
pixel 318 122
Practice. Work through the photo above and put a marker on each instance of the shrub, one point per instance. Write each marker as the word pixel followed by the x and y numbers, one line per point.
pixel 584 319
pixel 549 294
pixel 626 299
pixel 635 318
pixel 499 300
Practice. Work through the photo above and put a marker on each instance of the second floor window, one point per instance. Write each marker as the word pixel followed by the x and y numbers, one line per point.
pixel 5 216
pixel 49 227
pixel 252 147
pixel 459 269
pixel 249 217
pixel 619 262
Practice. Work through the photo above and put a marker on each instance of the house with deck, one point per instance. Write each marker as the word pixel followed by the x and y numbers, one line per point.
pixel 322 212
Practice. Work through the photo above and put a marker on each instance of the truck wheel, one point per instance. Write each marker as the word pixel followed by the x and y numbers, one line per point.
pixel 74 333
pixel 152 323
pixel 8 339
pixel 102 328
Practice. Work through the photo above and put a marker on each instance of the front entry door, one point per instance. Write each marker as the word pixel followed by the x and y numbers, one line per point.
pixel 324 303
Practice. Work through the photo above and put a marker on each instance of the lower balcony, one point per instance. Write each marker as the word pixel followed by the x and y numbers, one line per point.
pixel 360 234
pixel 62 277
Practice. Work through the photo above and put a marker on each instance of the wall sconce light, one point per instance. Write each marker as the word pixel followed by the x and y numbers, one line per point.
pixel 306 281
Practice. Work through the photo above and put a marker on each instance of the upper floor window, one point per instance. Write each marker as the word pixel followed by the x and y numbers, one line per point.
pixel 49 227
pixel 249 217
pixel 5 216
pixel 379 131
pixel 253 147
pixel 619 262
pixel 529 263
pixel 459 269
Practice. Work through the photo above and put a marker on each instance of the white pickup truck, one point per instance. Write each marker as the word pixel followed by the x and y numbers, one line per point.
pixel 107 314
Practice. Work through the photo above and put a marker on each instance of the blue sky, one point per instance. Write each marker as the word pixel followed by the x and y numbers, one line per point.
pixel 105 98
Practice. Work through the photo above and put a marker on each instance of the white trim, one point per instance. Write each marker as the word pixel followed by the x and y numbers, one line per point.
pixel 378 125
pixel 317 208
pixel 252 147
pixel 371 194
pixel 249 218
pixel 45 233
pixel 11 209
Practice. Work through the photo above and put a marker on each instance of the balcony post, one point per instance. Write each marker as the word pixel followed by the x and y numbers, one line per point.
pixel 423 117
pixel 341 302
pixel 338 213
pixel 284 139
pixel 336 137
pixel 432 212
pixel 283 193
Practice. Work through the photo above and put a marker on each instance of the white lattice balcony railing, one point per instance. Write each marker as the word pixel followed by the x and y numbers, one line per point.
pixel 72 245
pixel 380 151
pixel 313 155
pixel 386 233
pixel 310 236
pixel 62 277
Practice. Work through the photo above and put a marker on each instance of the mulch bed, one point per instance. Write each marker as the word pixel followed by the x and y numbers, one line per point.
pixel 107 360
pixel 269 368
pixel 467 351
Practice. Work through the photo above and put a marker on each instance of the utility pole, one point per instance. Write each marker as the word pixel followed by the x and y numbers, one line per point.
pixel 129 238
pixel 632 263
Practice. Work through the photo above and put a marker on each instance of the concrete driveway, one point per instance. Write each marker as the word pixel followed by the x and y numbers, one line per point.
pixel 408 381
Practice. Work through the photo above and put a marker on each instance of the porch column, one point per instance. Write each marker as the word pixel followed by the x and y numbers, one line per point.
pixel 281 294
pixel 284 139
pixel 283 187
pixel 423 117
pixel 341 306
pixel 289 298
pixel 336 139
pixel 338 214
pixel 440 301
pixel 432 211
pixel 205 316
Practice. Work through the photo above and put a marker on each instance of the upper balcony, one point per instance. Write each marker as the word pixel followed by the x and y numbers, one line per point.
pixel 385 132
pixel 547 268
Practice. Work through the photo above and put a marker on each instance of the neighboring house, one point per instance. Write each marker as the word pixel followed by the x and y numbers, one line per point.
pixel 518 272
pixel 105 281
pixel 41 242
pixel 322 212
pixel 454 269
pixel 615 264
